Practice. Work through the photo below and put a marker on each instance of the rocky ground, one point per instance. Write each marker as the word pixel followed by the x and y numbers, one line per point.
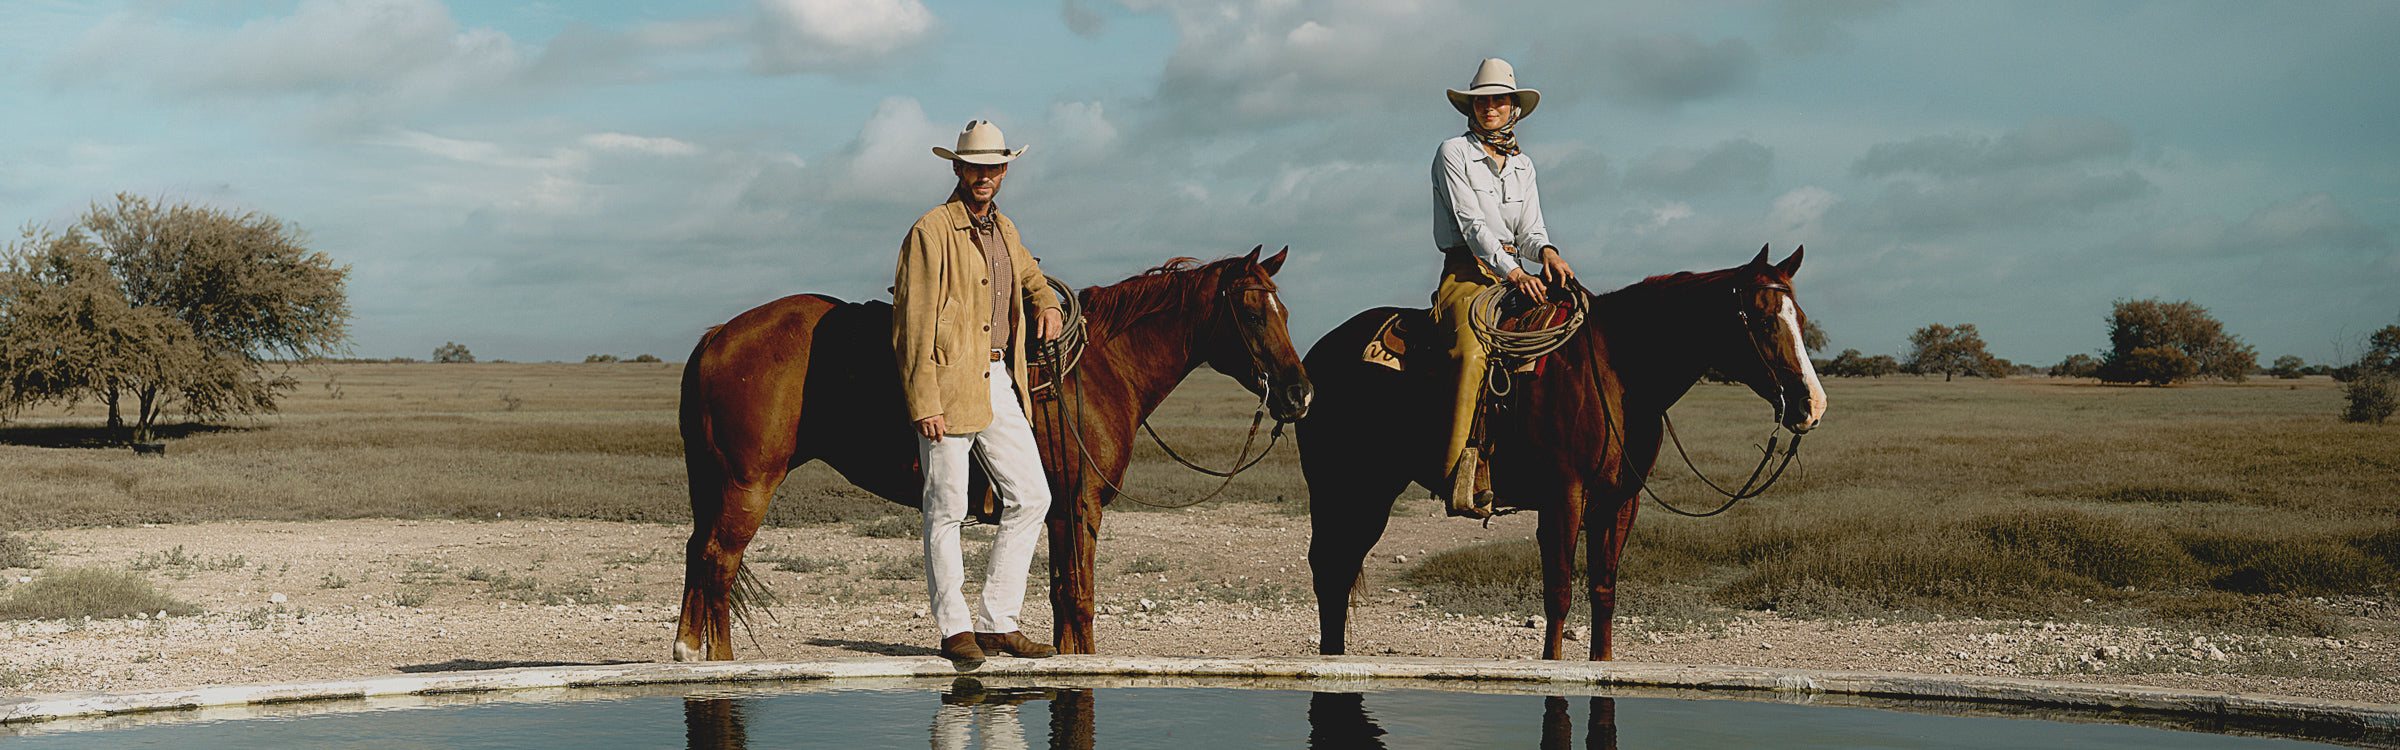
pixel 303 601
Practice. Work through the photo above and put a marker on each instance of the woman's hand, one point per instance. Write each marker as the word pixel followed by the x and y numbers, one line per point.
pixel 1527 284
pixel 1555 268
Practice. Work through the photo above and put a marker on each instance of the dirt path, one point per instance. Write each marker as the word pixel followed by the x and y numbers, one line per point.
pixel 302 601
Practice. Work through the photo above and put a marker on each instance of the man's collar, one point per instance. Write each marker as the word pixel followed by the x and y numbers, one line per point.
pixel 960 200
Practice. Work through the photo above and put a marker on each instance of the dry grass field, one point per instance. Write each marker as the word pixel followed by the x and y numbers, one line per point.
pixel 2238 510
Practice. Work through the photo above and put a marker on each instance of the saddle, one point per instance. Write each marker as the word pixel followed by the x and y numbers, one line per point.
pixel 1412 330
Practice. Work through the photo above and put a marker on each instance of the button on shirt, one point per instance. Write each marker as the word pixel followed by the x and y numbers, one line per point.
pixel 1482 206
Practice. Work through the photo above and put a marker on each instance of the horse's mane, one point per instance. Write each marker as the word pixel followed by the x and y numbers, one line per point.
pixel 1142 293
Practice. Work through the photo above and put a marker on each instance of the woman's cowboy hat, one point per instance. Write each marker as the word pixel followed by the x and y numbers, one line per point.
pixel 1495 77
pixel 981 143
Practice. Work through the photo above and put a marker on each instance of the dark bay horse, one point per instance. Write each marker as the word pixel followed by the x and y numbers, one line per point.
pixel 1585 432
pixel 809 377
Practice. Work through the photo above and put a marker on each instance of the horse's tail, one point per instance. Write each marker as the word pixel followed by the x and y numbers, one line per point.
pixel 748 591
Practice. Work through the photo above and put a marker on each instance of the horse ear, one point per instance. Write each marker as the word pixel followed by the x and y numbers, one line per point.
pixel 1762 257
pixel 1791 265
pixel 1275 263
pixel 1254 253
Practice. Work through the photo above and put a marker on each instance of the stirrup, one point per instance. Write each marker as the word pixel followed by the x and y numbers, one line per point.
pixel 1465 502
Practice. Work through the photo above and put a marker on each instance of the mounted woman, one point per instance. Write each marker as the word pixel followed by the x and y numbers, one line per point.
pixel 1582 430
pixel 810 377
pixel 1488 223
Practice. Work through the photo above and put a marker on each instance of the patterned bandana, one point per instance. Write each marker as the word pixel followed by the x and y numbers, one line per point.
pixel 1503 140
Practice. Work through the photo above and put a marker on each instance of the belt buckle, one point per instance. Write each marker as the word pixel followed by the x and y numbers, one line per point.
pixel 998 354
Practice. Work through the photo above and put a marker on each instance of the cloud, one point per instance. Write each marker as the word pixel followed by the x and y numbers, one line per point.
pixel 1806 28
pixel 805 36
pixel 1266 61
pixel 1082 19
pixel 1653 69
pixel 359 51
pixel 2311 222
pixel 2040 143
pixel 1737 163
pixel 891 159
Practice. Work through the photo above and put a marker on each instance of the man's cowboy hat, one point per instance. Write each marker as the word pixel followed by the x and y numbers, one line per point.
pixel 1495 77
pixel 980 143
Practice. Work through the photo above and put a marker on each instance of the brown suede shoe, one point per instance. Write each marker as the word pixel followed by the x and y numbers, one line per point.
pixel 961 649
pixel 1014 643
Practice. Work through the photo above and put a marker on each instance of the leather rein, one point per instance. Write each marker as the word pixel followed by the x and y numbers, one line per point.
pixel 1242 458
pixel 1752 487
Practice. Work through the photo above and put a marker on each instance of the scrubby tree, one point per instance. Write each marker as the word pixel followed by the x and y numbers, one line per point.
pixel 599 358
pixel 2383 351
pixel 452 352
pixel 2372 396
pixel 146 304
pixel 68 334
pixel 2186 328
pixel 644 358
pixel 2288 367
pixel 2076 366
pixel 1950 351
pixel 245 287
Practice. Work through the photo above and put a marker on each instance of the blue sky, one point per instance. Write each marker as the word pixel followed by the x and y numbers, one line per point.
pixel 542 181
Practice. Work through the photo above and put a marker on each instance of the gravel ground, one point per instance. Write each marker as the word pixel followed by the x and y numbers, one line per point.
pixel 338 599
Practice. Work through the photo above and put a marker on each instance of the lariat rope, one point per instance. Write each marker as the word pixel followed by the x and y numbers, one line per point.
pixel 1063 354
pixel 1506 349
pixel 1068 349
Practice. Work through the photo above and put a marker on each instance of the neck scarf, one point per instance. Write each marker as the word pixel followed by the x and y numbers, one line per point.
pixel 1503 140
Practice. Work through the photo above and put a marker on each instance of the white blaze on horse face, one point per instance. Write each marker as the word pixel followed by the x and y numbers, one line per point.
pixel 1790 315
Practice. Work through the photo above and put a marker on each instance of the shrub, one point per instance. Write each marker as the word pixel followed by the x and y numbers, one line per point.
pixel 2373 396
pixel 88 592
pixel 890 527
pixel 2295 566
pixel 2156 365
pixel 2101 549
pixel 15 552
pixel 2247 614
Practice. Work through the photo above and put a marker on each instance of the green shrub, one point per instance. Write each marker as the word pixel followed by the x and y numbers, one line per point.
pixel 2272 615
pixel 88 592
pixel 2373 397
pixel 15 552
pixel 890 527
pixel 2296 566
pixel 2102 549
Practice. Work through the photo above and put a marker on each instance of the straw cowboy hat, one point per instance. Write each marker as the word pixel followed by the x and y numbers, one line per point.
pixel 981 143
pixel 1495 76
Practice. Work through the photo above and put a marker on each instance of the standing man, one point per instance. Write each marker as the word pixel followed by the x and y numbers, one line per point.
pixel 961 346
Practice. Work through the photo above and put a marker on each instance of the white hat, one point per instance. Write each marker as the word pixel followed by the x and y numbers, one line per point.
pixel 981 143
pixel 1495 77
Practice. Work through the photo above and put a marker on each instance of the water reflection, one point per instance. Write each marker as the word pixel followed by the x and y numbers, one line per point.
pixel 972 715
pixel 1339 721
pixel 714 724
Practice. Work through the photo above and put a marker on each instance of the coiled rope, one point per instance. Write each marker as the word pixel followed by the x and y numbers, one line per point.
pixel 1509 349
pixel 1059 357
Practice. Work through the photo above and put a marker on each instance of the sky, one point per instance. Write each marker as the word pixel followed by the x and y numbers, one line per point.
pixel 542 181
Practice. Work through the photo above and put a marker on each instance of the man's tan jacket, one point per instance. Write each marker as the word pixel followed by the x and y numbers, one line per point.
pixel 941 318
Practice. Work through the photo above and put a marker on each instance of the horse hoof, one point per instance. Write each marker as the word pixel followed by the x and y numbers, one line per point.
pixel 687 653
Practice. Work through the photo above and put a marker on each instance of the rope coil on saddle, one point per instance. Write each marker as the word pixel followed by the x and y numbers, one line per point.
pixel 1509 349
pixel 1061 356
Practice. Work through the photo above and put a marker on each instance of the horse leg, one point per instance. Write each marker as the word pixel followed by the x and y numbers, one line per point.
pixel 1558 532
pixel 1343 528
pixel 1074 540
pixel 712 566
pixel 1607 547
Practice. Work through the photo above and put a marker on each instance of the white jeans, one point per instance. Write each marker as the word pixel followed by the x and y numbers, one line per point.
pixel 1007 451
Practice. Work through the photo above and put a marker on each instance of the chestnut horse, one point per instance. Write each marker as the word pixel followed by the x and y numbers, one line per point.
pixel 809 377
pixel 1584 429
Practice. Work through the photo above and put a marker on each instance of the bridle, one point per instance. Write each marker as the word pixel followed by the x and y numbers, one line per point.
pixel 1243 461
pixel 1753 486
